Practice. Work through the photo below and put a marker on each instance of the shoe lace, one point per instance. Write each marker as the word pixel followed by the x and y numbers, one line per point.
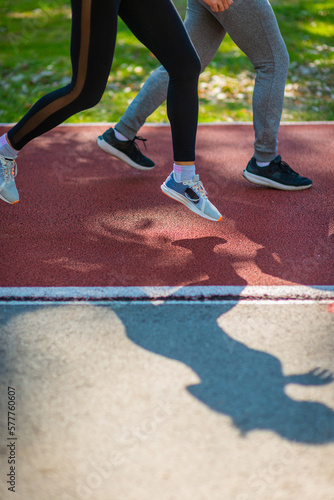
pixel 139 138
pixel 197 186
pixel 9 168
pixel 286 167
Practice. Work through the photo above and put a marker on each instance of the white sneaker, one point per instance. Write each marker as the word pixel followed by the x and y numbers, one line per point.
pixel 8 170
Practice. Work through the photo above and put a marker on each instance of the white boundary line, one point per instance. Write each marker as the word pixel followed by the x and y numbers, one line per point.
pixel 180 293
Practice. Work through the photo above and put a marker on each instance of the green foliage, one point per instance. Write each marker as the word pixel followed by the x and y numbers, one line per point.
pixel 34 59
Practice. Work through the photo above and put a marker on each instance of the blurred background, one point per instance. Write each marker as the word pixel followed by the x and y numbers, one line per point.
pixel 34 59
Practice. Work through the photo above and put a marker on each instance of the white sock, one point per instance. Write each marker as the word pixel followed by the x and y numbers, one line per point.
pixel 7 150
pixel 262 163
pixel 183 172
pixel 120 136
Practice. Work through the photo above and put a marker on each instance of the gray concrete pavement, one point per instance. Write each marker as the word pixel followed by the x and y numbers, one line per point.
pixel 134 401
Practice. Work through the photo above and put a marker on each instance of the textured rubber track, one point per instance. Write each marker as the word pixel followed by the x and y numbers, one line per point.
pixel 86 219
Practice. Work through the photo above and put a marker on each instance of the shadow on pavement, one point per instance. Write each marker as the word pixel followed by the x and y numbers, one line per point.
pixel 246 384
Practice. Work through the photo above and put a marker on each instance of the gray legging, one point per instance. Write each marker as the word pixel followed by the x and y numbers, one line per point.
pixel 253 27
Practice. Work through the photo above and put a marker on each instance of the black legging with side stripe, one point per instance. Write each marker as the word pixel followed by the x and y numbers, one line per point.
pixel 158 26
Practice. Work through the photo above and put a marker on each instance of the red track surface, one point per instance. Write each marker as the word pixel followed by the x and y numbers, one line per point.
pixel 86 219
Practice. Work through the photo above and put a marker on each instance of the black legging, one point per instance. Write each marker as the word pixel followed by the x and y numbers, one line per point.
pixel 159 27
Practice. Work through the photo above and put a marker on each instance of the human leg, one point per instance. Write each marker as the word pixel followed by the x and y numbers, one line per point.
pixel 93 25
pixel 206 34
pixel 253 27
pixel 160 28
pixel 93 35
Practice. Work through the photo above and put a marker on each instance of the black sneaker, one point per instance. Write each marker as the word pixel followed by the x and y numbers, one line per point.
pixel 127 151
pixel 277 174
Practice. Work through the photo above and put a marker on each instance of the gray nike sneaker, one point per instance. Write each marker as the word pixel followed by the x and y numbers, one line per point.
pixel 8 191
pixel 193 195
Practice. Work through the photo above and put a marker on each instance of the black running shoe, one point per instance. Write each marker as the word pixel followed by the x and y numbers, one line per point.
pixel 127 151
pixel 278 174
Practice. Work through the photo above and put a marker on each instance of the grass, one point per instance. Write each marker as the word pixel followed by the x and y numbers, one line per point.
pixel 34 59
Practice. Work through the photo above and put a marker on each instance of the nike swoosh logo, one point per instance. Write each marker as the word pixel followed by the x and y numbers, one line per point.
pixel 191 195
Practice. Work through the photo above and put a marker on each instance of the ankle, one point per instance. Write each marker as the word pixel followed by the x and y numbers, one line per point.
pixel 119 136
pixel 262 163
pixel 183 172
pixel 6 148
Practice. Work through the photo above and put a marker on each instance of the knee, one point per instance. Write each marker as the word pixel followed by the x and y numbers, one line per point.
pixel 89 98
pixel 196 65
pixel 84 97
pixel 189 69
pixel 283 57
pixel 276 65
pixel 282 61
pixel 193 65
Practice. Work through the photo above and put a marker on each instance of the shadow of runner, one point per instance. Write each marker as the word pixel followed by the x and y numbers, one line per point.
pixel 242 383
pixel 207 262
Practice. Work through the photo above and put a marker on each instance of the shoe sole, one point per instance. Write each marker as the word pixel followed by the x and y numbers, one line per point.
pixel 178 197
pixel 7 201
pixel 121 156
pixel 263 181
